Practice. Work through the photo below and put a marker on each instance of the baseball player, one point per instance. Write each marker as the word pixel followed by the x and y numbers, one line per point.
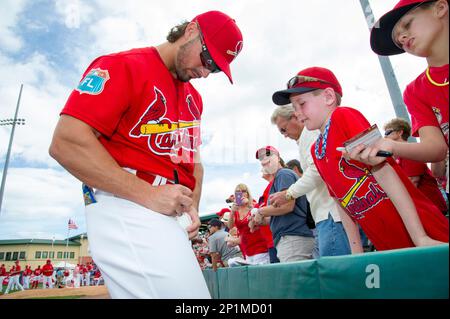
pixel 37 277
pixel 26 277
pixel 14 275
pixel 76 276
pixel 47 272
pixel 3 275
pixel 129 131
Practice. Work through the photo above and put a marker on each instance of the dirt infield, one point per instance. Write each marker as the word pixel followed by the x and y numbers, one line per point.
pixel 93 292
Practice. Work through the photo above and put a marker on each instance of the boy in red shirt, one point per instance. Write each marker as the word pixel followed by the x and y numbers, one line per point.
pixel 381 198
pixel 419 28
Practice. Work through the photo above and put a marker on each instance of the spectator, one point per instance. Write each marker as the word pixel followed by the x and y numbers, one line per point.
pixel 253 244
pixel 381 198
pixel 295 166
pixel 263 200
pixel 420 175
pixel 420 28
pixel 218 248
pixel 331 239
pixel 292 238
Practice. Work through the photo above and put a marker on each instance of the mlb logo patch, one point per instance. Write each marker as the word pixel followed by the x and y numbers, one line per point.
pixel 94 82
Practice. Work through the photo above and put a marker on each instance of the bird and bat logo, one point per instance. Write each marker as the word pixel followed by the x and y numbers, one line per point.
pixel 166 137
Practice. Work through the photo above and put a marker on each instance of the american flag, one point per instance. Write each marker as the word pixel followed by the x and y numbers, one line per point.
pixel 72 224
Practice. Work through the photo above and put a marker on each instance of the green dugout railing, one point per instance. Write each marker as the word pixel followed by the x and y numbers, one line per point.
pixel 404 273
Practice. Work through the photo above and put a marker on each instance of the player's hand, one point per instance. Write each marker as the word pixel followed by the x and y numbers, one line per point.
pixel 234 208
pixel 278 199
pixel 368 154
pixel 193 228
pixel 171 200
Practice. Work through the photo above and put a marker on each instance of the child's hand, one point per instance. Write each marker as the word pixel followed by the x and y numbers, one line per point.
pixel 368 154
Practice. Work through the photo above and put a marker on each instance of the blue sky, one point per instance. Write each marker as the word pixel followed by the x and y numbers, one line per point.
pixel 48 44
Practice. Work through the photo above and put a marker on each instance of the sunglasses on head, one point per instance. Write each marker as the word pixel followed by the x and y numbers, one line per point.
pixel 205 56
pixel 298 79
pixel 388 132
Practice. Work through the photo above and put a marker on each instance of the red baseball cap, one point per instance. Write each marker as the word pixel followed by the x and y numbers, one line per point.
pixel 381 33
pixel 268 150
pixel 222 38
pixel 314 78
pixel 223 211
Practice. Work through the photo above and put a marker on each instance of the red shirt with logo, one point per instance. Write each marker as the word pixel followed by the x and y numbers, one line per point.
pixel 149 120
pixel 428 103
pixel 2 271
pixel 355 188
pixel 37 271
pixel 427 183
pixel 251 243
pixel 47 270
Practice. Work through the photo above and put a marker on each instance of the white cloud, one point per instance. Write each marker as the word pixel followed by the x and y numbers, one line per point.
pixel 9 16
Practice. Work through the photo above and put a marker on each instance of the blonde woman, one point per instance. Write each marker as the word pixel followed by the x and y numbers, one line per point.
pixel 253 244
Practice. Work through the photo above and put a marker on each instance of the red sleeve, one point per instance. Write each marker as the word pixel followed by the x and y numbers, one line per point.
pixel 101 98
pixel 421 113
pixel 412 168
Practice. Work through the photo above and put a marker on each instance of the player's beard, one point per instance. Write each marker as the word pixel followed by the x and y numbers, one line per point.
pixel 180 61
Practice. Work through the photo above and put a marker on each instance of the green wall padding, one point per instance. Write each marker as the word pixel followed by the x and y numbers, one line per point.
pixel 403 273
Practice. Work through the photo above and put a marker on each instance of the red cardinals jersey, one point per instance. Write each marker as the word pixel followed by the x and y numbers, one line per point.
pixel 47 270
pixel 427 183
pixel 428 103
pixel 251 243
pixel 37 271
pixel 355 188
pixel 149 120
pixel 2 271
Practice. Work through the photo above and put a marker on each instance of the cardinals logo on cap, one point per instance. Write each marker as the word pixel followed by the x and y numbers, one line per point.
pixel 238 49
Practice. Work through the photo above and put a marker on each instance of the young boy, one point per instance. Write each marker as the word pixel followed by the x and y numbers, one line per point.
pixel 420 28
pixel 381 198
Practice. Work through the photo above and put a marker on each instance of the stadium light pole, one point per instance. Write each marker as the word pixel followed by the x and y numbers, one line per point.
pixel 388 72
pixel 12 122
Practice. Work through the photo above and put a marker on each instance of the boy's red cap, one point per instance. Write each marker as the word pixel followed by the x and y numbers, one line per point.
pixel 268 150
pixel 381 34
pixel 222 37
pixel 325 75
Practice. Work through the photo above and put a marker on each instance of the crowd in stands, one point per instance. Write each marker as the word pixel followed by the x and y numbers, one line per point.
pixel 391 192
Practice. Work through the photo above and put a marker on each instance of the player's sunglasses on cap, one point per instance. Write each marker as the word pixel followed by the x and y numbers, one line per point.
pixel 381 34
pixel 205 56
pixel 221 40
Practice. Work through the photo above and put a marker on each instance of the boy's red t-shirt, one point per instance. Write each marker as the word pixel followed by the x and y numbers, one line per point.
pixel 149 120
pixel 352 184
pixel 427 103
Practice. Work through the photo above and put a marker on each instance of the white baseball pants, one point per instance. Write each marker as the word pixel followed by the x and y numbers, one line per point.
pixel 142 253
